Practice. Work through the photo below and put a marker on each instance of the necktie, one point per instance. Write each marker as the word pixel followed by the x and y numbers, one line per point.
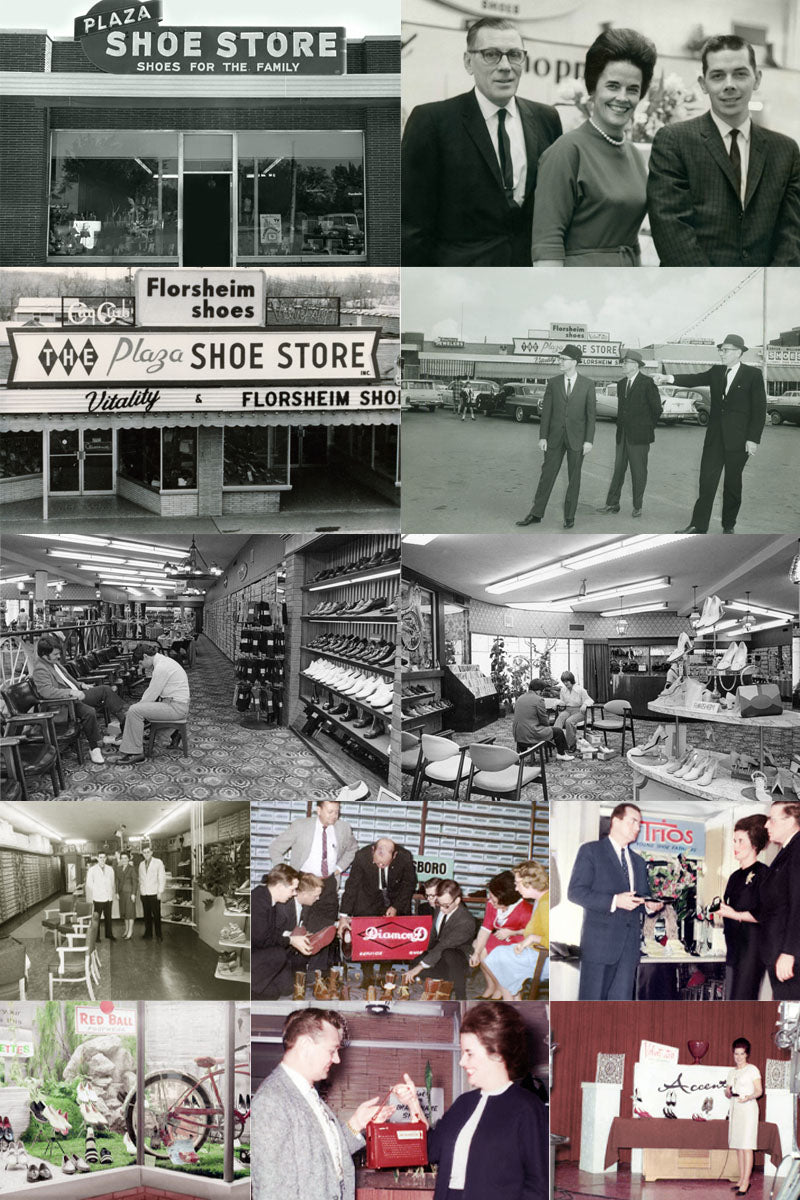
pixel 324 871
pixel 736 161
pixel 504 148
pixel 626 866
pixel 569 386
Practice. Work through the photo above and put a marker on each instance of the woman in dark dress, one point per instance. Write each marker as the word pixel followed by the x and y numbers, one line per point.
pixel 504 1153
pixel 740 909
pixel 127 879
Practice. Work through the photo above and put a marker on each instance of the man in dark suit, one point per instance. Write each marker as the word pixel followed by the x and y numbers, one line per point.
pixel 469 163
pixel 735 424
pixel 723 191
pixel 381 882
pixel 566 427
pixel 452 935
pixel 779 903
pixel 53 682
pixel 638 411
pixel 610 883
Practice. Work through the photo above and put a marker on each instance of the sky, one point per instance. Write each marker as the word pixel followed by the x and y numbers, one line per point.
pixel 636 307
pixel 361 18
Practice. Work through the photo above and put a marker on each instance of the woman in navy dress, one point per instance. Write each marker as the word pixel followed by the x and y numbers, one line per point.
pixel 740 909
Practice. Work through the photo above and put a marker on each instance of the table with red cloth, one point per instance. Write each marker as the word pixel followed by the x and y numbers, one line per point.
pixel 661 1133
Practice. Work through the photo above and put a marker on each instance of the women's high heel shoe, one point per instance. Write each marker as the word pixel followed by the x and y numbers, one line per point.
pixel 698 769
pixel 677 763
pixel 762 790
pixel 708 774
pixel 655 742
pixel 690 763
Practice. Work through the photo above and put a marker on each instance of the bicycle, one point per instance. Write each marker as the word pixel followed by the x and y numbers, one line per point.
pixel 178 1107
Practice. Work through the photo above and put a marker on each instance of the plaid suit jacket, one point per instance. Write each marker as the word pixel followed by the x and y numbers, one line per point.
pixel 696 216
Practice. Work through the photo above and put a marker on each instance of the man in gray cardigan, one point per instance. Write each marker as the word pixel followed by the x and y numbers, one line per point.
pixel 322 845
pixel 302 1150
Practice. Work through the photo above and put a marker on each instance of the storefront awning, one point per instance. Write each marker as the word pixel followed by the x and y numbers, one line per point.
pixel 33 422
pixel 102 88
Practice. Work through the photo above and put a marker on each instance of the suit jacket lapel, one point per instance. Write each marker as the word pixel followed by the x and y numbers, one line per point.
pixel 530 129
pixel 716 148
pixel 615 863
pixel 755 166
pixel 476 128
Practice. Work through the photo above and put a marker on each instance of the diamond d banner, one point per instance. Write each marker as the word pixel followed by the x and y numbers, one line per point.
pixel 44 358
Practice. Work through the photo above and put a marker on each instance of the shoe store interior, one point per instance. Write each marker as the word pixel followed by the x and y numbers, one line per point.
pixel 422 1041
pixel 135 899
pixel 619 1126
pixel 268 652
pixel 80 1080
pixel 661 658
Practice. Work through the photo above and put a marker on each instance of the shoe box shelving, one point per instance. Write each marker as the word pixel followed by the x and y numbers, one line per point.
pixel 179 901
pixel 349 642
pixel 26 878
pixel 237 947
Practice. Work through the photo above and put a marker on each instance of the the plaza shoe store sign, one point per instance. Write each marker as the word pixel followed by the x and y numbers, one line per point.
pixel 127 39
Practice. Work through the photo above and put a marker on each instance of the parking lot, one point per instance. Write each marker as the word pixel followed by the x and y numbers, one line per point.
pixel 458 476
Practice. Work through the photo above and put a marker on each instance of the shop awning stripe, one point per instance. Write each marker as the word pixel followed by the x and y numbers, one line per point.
pixel 31 422
pixel 70 87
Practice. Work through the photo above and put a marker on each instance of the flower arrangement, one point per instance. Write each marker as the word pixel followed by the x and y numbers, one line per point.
pixel 674 882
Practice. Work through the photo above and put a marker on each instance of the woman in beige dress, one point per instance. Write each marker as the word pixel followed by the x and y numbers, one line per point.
pixel 743 1088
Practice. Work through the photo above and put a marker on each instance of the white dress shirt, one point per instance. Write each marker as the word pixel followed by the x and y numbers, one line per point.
pixel 66 679
pixel 101 883
pixel 327 1122
pixel 458 1170
pixel 744 147
pixel 313 864
pixel 169 681
pixel 152 877
pixel 730 375
pixel 516 137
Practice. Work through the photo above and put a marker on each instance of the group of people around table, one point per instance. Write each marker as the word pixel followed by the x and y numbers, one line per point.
pixel 491 1141
pixel 301 897
pixel 119 877
pixel 490 179
pixel 164 701
pixel 760 911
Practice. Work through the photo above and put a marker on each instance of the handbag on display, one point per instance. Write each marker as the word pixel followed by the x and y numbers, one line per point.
pixel 759 700
pixel 396 1144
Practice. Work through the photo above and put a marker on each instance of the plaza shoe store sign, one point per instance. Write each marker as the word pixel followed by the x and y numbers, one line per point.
pixel 127 39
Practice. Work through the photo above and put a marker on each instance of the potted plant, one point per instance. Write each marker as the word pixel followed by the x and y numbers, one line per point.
pixel 498 670
pixel 224 870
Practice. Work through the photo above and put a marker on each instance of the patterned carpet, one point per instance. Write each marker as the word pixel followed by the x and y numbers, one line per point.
pixel 228 759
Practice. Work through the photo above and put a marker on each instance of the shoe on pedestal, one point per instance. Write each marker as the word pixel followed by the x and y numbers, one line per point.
pixel 739 658
pixel 684 646
pixel 712 611
pixel 726 662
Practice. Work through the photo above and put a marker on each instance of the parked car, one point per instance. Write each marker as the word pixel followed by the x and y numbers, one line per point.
pixel 484 389
pixel 679 405
pixel 421 393
pixel 784 408
pixel 522 401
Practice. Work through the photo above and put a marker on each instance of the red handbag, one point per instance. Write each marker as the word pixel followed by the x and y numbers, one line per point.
pixel 396 1144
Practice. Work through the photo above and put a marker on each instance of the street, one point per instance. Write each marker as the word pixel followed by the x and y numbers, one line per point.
pixel 462 476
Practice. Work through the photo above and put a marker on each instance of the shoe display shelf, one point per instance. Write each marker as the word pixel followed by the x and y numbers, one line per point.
pixel 474 701
pixel 260 665
pixel 423 706
pixel 180 901
pixel 241 973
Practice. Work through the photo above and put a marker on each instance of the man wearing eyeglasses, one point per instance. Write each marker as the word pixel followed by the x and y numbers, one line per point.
pixel 447 956
pixel 469 163
pixel 735 424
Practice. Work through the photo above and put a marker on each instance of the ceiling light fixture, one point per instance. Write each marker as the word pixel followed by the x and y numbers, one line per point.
pixel 193 566
pixel 625 589
pixel 621 625
pixel 419 539
pixel 758 610
pixel 740 629
pixel 694 615
pixel 749 620
pixel 178 808
pixel 582 590
pixel 590 558
pixel 656 606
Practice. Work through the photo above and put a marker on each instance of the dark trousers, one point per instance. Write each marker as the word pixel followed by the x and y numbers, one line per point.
pixel 716 460
pixel 152 916
pixel 103 696
pixel 553 458
pixel 612 981
pixel 103 910
pixel 324 911
pixel 745 977
pixel 634 457
pixel 453 966
pixel 272 975
pixel 789 990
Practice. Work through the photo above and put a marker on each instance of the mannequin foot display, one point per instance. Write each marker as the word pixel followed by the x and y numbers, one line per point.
pixel 656 741
pixel 763 794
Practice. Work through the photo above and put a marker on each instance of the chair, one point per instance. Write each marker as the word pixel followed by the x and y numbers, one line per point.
pixel 73 967
pixel 411 758
pixel 39 756
pixel 22 699
pixel 442 762
pixel 15 785
pixel 13 969
pixel 57 920
pixel 83 933
pixel 616 717
pixel 501 773
pixel 530 988
pixel 153 728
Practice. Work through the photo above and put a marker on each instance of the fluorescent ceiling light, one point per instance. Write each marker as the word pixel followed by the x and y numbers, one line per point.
pixel 623 590
pixel 142 548
pixel 419 539
pixel 16 579
pixel 758 611
pixel 179 808
pixel 325 586
pixel 562 606
pixel 590 558
pixel 656 606
pixel 19 818
pixel 740 631
pixel 71 537
pixel 539 575
pixel 718 628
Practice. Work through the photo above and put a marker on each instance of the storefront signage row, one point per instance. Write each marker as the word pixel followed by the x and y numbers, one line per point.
pixel 104 1020
pixel 180 299
pixel 548 347
pixel 145 400
pixel 126 39
pixel 783 354
pixel 178 357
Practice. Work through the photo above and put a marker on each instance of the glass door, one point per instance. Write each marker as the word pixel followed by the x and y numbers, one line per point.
pixel 65 472
pixel 97 462
pixel 207 199
pixel 81 462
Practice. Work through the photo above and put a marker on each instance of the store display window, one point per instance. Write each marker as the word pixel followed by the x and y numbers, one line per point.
pixel 300 192
pixel 527 658
pixel 456 633
pixel 418 627
pixel 20 454
pixel 114 194
pixel 162 460
pixel 255 458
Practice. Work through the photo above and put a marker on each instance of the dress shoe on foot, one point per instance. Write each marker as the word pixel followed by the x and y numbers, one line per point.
pixel 690 529
pixel 95 754
pixel 724 530
pixel 529 520
pixel 609 508
pixel 126 760
pixel 637 512
pixel 568 524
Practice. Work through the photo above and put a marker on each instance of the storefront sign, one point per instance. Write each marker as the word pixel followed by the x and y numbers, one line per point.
pixel 388 938
pixel 547 347
pixel 144 400
pixel 98 310
pixel 17 1043
pixel 126 39
pixel 783 354
pixel 67 358
pixel 303 310
pixel 655 1052
pixel 433 1109
pixel 672 836
pixel 568 331
pixel 180 299
pixel 686 1092
pixel 430 867
pixel 107 1019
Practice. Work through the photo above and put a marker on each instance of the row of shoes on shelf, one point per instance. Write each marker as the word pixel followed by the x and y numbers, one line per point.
pixel 695 766
pixel 415 689
pixel 734 659
pixel 380 558
pixel 426 708
pixel 355 608
pixel 377 652
pixel 372 690
pixel 349 713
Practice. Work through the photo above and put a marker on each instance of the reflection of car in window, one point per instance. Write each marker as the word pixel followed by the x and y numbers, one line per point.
pixel 784 408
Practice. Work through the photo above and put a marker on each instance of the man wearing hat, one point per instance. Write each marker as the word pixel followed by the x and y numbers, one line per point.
pixel 638 411
pixel 566 427
pixel 738 413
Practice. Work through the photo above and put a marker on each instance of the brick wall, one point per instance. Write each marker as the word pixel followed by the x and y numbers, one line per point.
pixel 24 51
pixel 137 494
pixel 209 471
pixel 179 505
pixel 251 502
pixel 24 487
pixel 23 182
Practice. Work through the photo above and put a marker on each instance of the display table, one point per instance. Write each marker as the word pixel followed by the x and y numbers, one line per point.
pixel 788 719
pixel 382 1185
pixel 659 1133
pixel 666 787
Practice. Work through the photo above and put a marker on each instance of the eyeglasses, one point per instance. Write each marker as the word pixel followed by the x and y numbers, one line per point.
pixel 493 56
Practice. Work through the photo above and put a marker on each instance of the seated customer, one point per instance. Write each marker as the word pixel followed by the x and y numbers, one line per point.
pixel 270 940
pixel 531 723
pixel 52 682
pixel 165 700
pixel 448 953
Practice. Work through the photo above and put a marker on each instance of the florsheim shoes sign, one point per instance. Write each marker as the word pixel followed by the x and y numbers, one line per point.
pixel 127 39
